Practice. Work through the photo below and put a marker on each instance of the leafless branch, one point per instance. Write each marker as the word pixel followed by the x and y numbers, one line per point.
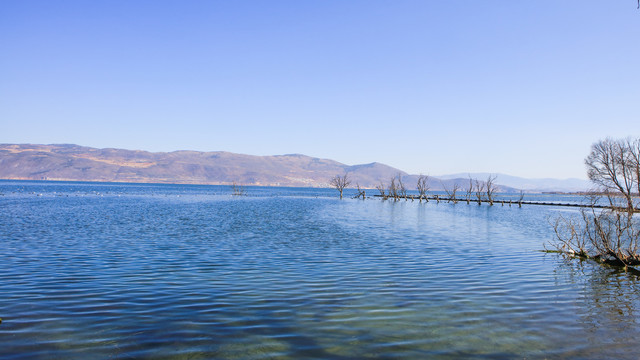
pixel 451 195
pixel 479 191
pixel 423 187
pixel 340 182
pixel 469 192
pixel 402 190
pixel 609 235
pixel 520 198
pixel 237 190
pixel 490 187
pixel 361 193
pixel 393 189
pixel 381 189
pixel 611 166
pixel 397 189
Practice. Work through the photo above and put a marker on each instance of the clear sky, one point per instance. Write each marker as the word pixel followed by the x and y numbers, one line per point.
pixel 434 87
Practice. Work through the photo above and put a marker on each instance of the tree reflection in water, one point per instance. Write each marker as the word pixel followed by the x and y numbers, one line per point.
pixel 606 307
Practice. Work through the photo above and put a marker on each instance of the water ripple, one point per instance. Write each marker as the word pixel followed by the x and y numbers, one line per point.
pixel 168 271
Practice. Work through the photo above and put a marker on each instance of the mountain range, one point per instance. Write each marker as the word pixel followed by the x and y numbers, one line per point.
pixel 531 185
pixel 79 163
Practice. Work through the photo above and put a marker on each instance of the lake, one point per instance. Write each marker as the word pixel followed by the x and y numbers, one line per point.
pixel 94 271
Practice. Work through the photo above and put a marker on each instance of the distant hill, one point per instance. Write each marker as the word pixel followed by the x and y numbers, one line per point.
pixel 535 185
pixel 80 163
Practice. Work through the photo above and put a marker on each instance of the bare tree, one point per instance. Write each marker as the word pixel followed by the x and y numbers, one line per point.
pixel 479 190
pixel 451 195
pixel 393 189
pixel 381 189
pixel 423 187
pixel 469 192
pixel 490 187
pixel 361 193
pixel 237 190
pixel 520 198
pixel 340 182
pixel 612 166
pixel 455 189
pixel 608 236
pixel 634 158
pixel 402 190
pixel 611 235
pixel 444 187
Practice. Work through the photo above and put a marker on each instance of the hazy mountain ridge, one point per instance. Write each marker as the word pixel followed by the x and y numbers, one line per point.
pixel 534 185
pixel 80 163
pixel 73 162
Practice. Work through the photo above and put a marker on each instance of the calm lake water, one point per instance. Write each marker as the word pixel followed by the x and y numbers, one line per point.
pixel 94 271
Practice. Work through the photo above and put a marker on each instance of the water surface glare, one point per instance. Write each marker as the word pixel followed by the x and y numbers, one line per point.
pixel 94 271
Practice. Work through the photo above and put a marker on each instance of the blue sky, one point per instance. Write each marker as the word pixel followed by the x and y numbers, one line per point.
pixel 434 87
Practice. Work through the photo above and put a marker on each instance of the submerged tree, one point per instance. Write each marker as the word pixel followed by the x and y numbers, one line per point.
pixel 340 182
pixel 478 188
pixel 381 189
pixel 609 235
pixel 396 189
pixel 392 191
pixel 237 190
pixel 491 187
pixel 614 166
pixel 361 193
pixel 423 187
pixel 469 192
pixel 520 198
pixel 451 194
pixel 402 190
